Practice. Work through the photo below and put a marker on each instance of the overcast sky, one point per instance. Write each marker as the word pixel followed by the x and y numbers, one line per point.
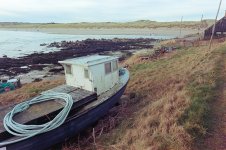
pixel 106 10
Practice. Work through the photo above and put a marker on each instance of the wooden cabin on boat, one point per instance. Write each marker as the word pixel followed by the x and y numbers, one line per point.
pixel 96 73
pixel 220 29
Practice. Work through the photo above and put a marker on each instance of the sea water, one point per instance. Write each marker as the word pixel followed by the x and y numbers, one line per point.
pixel 20 43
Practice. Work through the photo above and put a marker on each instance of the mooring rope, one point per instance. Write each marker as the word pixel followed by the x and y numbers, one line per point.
pixel 28 131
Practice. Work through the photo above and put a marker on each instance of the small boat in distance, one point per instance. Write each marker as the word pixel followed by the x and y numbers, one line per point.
pixel 95 84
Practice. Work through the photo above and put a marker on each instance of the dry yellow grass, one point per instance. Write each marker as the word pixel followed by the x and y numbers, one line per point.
pixel 163 90
pixel 28 90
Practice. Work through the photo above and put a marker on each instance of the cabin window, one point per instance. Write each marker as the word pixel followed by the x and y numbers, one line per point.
pixel 68 69
pixel 107 68
pixel 86 73
pixel 224 33
pixel 219 33
pixel 115 65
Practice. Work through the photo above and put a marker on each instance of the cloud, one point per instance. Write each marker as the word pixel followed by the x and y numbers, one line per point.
pixel 106 10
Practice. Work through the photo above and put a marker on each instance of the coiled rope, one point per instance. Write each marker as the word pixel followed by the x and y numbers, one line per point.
pixel 27 131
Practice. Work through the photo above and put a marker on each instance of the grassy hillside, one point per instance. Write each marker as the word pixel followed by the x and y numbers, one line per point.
pixel 135 24
pixel 172 105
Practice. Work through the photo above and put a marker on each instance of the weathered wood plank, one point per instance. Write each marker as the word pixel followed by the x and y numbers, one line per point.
pixel 63 89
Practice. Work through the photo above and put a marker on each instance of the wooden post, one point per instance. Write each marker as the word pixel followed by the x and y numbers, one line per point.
pixel 200 27
pixel 181 26
pixel 214 26
pixel 94 137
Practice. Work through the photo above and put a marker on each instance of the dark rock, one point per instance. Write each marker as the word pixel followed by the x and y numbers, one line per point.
pixel 45 76
pixel 56 69
pixel 37 80
pixel 43 44
pixel 132 95
pixel 16 70
pixel 37 67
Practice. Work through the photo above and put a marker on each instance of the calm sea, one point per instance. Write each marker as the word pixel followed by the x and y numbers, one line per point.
pixel 20 43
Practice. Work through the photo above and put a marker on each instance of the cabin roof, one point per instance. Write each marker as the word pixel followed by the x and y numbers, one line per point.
pixel 220 27
pixel 89 60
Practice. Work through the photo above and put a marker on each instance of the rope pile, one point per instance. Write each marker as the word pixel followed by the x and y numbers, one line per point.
pixel 27 131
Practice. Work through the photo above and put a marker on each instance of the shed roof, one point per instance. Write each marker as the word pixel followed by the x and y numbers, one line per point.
pixel 219 31
pixel 89 60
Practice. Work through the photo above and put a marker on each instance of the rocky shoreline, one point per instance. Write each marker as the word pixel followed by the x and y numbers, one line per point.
pixel 70 49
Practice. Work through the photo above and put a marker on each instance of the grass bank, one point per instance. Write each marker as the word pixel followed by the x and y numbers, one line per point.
pixel 173 101
pixel 204 89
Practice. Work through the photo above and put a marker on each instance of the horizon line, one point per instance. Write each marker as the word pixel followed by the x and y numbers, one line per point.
pixel 140 20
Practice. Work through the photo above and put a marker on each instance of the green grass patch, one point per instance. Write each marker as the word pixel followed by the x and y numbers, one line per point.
pixel 197 118
pixel 35 91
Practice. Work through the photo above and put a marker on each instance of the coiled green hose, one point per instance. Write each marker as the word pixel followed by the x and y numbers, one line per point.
pixel 27 131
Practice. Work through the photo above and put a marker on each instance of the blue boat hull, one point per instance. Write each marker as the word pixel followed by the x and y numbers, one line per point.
pixel 69 128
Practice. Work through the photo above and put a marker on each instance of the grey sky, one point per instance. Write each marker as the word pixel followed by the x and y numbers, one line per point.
pixel 106 10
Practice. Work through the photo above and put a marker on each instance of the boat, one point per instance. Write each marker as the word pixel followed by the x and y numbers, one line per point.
pixel 9 84
pixel 95 84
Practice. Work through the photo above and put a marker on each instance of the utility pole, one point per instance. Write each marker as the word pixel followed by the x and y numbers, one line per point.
pixel 181 26
pixel 199 28
pixel 214 26
pixel 200 25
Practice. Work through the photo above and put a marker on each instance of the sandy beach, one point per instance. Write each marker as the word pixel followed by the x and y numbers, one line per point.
pixel 174 31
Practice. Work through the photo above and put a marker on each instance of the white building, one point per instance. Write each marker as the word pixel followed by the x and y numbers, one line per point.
pixel 95 73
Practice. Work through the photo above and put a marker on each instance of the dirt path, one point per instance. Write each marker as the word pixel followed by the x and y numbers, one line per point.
pixel 217 138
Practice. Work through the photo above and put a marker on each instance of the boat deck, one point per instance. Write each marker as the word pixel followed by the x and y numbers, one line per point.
pixel 47 110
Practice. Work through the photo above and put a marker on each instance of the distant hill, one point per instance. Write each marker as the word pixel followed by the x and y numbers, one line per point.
pixel 97 25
